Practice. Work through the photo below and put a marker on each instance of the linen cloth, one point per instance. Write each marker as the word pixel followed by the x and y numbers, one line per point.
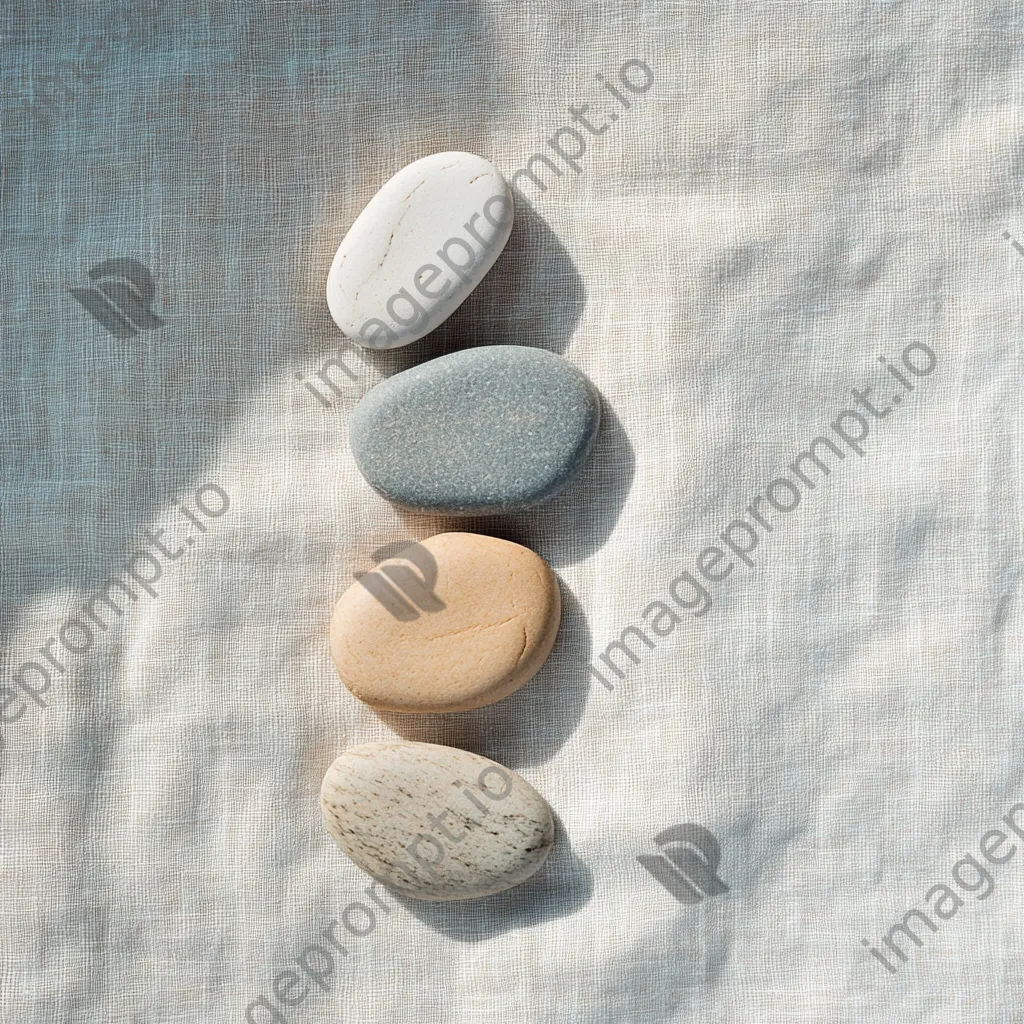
pixel 802 189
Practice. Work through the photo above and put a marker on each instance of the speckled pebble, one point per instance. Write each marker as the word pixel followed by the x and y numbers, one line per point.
pixel 485 430
pixel 436 823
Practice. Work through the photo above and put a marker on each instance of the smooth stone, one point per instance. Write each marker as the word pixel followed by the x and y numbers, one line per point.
pixel 455 622
pixel 418 249
pixel 433 822
pixel 484 430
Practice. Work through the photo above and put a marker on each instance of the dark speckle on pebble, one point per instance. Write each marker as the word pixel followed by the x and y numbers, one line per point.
pixel 484 430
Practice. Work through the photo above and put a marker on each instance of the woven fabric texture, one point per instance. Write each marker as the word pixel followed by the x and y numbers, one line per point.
pixel 793 265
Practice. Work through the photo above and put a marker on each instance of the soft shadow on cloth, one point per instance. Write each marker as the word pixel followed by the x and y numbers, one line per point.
pixel 229 179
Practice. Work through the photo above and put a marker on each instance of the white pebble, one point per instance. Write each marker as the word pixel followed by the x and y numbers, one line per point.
pixel 418 249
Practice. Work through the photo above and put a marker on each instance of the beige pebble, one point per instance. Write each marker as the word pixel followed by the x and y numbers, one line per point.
pixel 433 822
pixel 455 622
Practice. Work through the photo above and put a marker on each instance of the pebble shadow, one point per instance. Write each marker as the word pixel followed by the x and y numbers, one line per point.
pixel 575 524
pixel 533 295
pixel 530 726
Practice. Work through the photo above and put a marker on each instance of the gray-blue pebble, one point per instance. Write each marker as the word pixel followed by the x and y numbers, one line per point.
pixel 485 430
